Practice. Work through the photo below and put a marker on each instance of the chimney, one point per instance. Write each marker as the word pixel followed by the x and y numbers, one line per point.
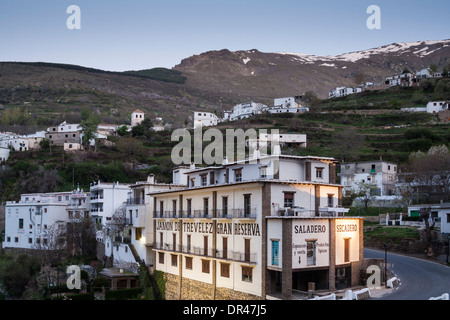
pixel 151 178
pixel 192 166
pixel 225 161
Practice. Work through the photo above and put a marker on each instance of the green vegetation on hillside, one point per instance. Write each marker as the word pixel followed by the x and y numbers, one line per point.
pixel 160 74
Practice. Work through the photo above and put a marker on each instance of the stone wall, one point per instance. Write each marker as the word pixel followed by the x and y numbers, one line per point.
pixel 196 290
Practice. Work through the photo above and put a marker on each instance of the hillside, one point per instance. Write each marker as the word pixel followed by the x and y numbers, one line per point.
pixel 359 127
pixel 53 93
pixel 260 76
pixel 48 94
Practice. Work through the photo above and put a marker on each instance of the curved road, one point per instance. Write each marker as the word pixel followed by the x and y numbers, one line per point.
pixel 420 279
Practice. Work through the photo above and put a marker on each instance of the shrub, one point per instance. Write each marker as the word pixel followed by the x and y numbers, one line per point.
pixel 123 294
pixel 81 296
pixel 100 282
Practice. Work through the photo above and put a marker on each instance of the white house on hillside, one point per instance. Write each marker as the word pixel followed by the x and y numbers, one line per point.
pixel 205 119
pixel 244 110
pixel 342 92
pixel 437 106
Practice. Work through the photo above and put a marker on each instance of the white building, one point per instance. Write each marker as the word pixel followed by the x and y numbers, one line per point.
pixel 4 154
pixel 216 238
pixel 105 198
pixel 342 92
pixel 137 116
pixel 437 106
pixel 403 79
pixel 283 139
pixel 439 214
pixel 244 110
pixel 205 119
pixel 289 104
pixel 382 175
pixel 31 222
pixel 139 215
pixel 10 140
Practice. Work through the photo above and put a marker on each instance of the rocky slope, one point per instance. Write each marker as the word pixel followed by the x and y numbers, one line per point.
pixel 257 75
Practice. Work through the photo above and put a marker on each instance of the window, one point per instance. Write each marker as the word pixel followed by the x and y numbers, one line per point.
pixel 189 263
pixel 247 250
pixel 275 252
pixel 137 213
pixel 211 177
pixel 448 217
pixel 330 200
pixel 247 204
pixel 288 199
pixel 263 172
pixel 247 274
pixel 205 206
pixel 224 270
pixel 174 242
pixel 45 210
pixel 224 206
pixel 238 175
pixel 205 245
pixel 205 266
pixel 346 249
pixel 174 207
pixel 189 206
pixel 161 209
pixel 311 252
pixel 174 260
pixel 225 247
pixel 8 239
pixel 161 257
pixel 319 173
pixel 161 240
pixel 20 223
pixel 204 179
pixel 138 233
pixel 188 243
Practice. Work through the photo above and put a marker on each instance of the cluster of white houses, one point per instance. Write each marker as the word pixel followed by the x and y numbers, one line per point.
pixel 249 109
pixel 66 135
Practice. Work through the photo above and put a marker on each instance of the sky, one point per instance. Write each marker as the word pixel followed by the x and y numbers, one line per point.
pixel 119 35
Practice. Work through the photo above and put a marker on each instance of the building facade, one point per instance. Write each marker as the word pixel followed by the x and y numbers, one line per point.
pixel 137 116
pixel 64 133
pixel 105 198
pixel 381 175
pixel 34 220
pixel 211 238
pixel 205 119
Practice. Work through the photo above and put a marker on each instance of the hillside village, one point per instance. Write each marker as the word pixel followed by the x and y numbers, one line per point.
pixel 219 230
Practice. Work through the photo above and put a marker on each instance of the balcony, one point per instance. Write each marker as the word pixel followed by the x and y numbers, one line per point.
pixel 208 252
pixel 294 212
pixel 209 214
pixel 337 211
pixel 134 201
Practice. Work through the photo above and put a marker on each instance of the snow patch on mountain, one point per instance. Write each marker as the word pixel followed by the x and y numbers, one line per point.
pixel 364 54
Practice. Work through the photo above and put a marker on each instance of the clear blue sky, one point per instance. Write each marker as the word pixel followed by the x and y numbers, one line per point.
pixel 140 34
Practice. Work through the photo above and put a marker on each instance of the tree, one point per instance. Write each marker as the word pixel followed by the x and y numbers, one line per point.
pixel 122 131
pixel 348 142
pixel 425 215
pixel 431 172
pixel 365 192
pixel 89 128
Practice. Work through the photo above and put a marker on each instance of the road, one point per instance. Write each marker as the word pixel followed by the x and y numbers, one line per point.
pixel 420 279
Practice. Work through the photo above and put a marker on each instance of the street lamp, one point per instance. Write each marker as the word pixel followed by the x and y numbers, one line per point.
pixel 385 264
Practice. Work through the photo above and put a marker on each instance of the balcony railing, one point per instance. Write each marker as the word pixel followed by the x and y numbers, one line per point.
pixel 131 201
pixel 208 252
pixel 209 214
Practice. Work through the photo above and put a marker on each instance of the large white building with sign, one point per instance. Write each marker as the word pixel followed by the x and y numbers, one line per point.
pixel 249 229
